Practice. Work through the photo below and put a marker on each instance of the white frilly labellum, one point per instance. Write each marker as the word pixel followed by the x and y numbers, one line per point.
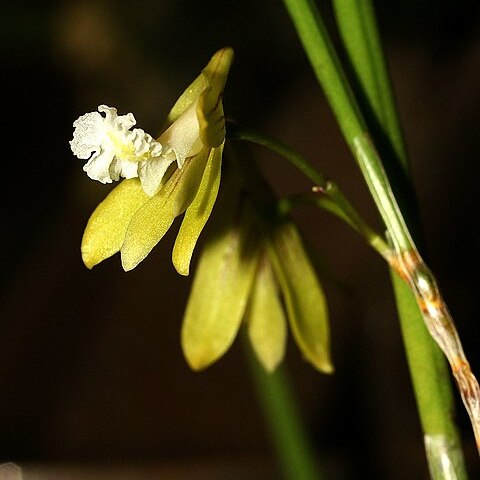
pixel 115 151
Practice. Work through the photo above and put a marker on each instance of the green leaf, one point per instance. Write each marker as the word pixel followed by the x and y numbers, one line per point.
pixel 219 295
pixel 303 295
pixel 106 228
pixel 198 213
pixel 150 223
pixel 267 325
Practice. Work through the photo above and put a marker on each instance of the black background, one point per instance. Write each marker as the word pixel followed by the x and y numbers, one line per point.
pixel 90 363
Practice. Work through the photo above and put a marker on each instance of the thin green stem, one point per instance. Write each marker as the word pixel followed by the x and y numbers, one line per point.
pixel 293 447
pixel 325 202
pixel 327 68
pixel 239 132
pixel 326 194
pixel 432 387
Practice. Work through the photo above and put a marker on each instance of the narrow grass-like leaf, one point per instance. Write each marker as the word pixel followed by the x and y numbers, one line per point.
pixel 304 298
pixel 106 228
pixel 198 213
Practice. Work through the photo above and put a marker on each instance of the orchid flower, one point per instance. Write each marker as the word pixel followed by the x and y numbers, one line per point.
pixel 177 173
pixel 259 276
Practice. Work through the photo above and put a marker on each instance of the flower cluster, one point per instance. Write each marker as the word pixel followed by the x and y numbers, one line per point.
pixel 248 272
pixel 260 276
pixel 177 173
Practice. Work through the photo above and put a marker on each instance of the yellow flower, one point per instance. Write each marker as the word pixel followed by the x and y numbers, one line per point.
pixel 259 275
pixel 177 173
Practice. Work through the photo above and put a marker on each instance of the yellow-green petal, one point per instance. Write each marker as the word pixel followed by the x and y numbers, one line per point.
pixel 211 118
pixel 217 302
pixel 303 295
pixel 150 223
pixel 197 213
pixel 186 99
pixel 215 73
pixel 267 325
pixel 105 231
pixel 190 181
pixel 210 108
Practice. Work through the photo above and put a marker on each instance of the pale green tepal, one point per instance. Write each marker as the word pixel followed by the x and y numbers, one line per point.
pixel 245 270
pixel 177 173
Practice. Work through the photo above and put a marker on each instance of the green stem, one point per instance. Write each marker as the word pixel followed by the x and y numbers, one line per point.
pixel 358 29
pixel 367 60
pixel 432 387
pixel 327 68
pixel 326 194
pixel 239 132
pixel 428 367
pixel 292 445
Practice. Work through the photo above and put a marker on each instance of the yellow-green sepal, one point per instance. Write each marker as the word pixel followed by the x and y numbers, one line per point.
pixel 304 298
pixel 198 212
pixel 186 99
pixel 211 118
pixel 150 223
pixel 210 114
pixel 214 75
pixel 216 71
pixel 220 290
pixel 265 318
pixel 106 228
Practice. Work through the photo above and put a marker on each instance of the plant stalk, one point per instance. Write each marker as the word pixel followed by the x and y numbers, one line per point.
pixel 428 368
pixel 406 261
pixel 279 405
pixel 325 193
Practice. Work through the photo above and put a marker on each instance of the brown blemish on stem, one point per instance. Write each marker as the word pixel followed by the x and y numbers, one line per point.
pixel 412 269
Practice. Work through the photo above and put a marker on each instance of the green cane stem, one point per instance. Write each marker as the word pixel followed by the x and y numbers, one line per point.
pixel 428 368
pixel 406 261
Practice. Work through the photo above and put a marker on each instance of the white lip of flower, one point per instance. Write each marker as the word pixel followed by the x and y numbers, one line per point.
pixel 114 151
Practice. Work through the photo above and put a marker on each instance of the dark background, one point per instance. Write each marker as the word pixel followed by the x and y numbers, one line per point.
pixel 91 371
